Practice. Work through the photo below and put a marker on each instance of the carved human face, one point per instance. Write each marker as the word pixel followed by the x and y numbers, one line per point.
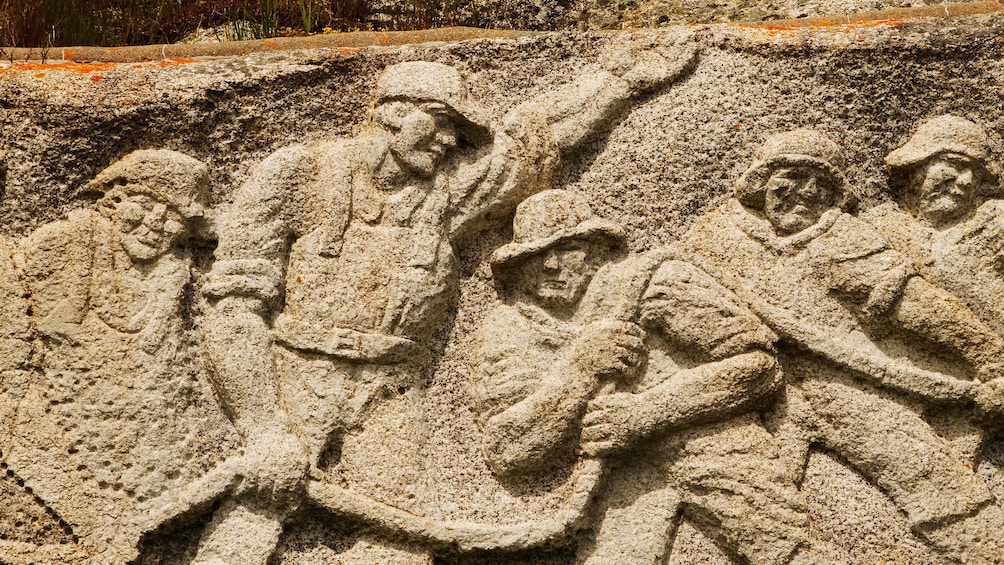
pixel 147 224
pixel 796 197
pixel 944 189
pixel 425 136
pixel 558 277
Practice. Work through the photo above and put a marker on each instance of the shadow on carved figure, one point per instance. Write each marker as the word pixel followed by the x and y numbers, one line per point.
pixel 954 226
pixel 30 530
pixel 673 404
pixel 829 285
pixel 117 414
pixel 334 271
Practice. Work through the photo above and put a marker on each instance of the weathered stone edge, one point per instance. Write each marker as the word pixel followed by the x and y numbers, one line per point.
pixel 357 40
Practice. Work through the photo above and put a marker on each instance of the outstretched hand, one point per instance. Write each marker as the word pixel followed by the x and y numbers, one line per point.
pixel 647 65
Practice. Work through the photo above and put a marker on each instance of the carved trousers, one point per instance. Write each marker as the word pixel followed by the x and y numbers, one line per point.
pixel 891 445
pixel 726 478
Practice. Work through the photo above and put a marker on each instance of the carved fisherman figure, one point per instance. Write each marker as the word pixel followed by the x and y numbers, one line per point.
pixel 335 270
pixel 954 232
pixel 829 285
pixel 118 411
pixel 687 428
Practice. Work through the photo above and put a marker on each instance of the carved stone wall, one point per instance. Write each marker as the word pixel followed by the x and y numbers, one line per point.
pixel 714 294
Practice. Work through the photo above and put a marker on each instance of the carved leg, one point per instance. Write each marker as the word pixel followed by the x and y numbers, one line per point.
pixel 239 535
pixel 972 539
pixel 738 490
pixel 900 452
pixel 637 516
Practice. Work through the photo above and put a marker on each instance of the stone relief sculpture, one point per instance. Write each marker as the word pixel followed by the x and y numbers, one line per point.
pixel 335 269
pixel 836 294
pixel 685 418
pixel 115 410
pixel 954 220
pixel 686 382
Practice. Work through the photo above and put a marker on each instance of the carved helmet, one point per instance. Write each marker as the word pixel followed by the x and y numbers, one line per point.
pixel 943 134
pixel 422 81
pixel 171 176
pixel 801 147
pixel 548 218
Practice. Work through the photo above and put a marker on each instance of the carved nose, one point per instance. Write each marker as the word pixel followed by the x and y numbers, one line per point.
pixel 447 139
pixel 551 261
pixel 965 179
pixel 155 218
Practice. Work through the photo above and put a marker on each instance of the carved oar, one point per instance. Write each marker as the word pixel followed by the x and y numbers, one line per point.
pixel 884 370
pixel 449 535
pixel 465 537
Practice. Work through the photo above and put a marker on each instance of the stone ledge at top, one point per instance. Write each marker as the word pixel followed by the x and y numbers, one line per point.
pixel 361 39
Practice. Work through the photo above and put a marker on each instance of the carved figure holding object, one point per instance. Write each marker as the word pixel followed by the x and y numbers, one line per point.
pixel 831 287
pixel 535 382
pixel 335 269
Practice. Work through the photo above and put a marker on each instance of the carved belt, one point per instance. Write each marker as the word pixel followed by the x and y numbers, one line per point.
pixel 342 342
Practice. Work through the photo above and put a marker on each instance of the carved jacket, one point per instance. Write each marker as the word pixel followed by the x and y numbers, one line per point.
pixel 76 268
pixel 363 274
pixel 691 320
pixel 966 259
pixel 835 276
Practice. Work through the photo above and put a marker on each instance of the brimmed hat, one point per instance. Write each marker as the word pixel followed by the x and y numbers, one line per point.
pixel 550 217
pixel 418 81
pixel 801 147
pixel 944 134
pixel 169 175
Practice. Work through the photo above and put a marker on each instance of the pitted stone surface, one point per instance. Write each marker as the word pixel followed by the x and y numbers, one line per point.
pixel 701 295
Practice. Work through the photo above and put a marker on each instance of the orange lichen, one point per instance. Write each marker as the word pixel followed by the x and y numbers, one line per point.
pixel 348 49
pixel 175 62
pixel 270 43
pixel 68 54
pixel 82 68
pixel 824 23
pixel 97 78
pixel 40 75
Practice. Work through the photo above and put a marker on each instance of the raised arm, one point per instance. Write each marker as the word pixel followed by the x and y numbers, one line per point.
pixel 531 138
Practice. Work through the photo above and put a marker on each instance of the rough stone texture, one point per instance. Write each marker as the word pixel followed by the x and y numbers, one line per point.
pixel 123 336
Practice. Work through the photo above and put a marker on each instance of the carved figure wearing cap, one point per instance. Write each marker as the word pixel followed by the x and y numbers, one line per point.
pixel 849 308
pixel 665 404
pixel 948 218
pixel 336 268
pixel 115 410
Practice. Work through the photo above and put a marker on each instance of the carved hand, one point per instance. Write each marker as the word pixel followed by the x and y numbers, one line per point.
pixel 990 400
pixel 647 67
pixel 616 421
pixel 608 349
pixel 275 470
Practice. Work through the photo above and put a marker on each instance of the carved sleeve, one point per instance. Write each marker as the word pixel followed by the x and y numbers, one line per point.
pixel 529 402
pixel 857 264
pixel 690 308
pixel 267 212
pixel 520 162
pixel 57 262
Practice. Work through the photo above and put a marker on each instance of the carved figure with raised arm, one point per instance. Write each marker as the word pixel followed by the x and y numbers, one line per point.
pixel 857 326
pixel 673 406
pixel 336 268
pixel 117 411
